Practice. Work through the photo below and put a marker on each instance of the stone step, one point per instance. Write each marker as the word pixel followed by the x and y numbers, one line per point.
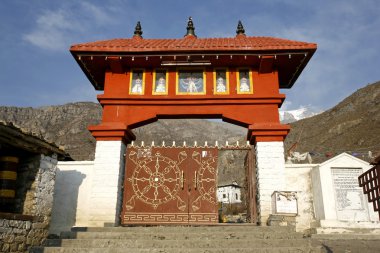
pixel 232 228
pixel 350 236
pixel 362 245
pixel 178 244
pixel 179 235
pixel 212 239
pixel 315 249
pixel 347 230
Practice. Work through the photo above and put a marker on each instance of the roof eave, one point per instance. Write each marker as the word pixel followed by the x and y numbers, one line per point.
pixel 299 69
pixel 86 72
pixel 76 52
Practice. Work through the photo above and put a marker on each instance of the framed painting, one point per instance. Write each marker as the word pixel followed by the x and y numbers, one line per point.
pixel 244 84
pixel 137 82
pixel 221 82
pixel 160 83
pixel 191 82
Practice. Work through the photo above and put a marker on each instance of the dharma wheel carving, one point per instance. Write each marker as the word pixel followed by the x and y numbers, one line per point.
pixel 170 185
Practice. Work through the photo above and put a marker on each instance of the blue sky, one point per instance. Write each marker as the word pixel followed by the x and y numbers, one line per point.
pixel 37 68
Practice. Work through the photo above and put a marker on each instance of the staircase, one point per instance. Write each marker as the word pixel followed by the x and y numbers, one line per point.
pixel 173 239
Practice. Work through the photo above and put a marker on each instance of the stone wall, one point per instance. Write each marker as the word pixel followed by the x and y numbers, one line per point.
pixel 26 184
pixel 34 201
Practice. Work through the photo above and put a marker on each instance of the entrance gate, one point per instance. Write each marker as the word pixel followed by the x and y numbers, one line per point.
pixel 170 185
pixel 236 79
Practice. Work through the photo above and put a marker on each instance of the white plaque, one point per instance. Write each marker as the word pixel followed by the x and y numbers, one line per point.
pixel 349 199
pixel 285 202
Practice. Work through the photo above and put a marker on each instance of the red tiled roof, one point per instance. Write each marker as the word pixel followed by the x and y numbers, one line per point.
pixel 238 43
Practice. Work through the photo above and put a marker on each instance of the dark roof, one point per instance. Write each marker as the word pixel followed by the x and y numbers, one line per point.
pixel 234 184
pixel 18 138
pixel 376 160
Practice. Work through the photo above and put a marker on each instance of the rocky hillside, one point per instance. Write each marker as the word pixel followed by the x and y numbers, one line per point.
pixel 352 126
pixel 64 125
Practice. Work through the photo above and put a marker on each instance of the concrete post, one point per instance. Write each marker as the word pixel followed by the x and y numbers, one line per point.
pixel 270 174
pixel 106 189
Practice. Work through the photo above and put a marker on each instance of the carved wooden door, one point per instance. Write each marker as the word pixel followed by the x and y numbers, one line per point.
pixel 170 185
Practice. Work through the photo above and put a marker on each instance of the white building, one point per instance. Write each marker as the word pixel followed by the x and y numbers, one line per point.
pixel 230 193
pixel 338 199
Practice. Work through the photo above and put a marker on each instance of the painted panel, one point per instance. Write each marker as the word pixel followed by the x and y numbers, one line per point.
pixel 170 185
pixel 191 82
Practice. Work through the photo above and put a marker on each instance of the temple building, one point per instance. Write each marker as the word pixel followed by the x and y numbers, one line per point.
pixel 229 193
pixel 235 79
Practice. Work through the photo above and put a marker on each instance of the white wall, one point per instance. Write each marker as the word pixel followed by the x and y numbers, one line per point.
pixel 75 197
pixel 270 167
pixel 316 196
pixel 298 179
pixel 106 189
pixel 71 195
pixel 325 195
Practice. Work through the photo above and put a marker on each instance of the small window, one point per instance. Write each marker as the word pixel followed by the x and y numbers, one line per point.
pixel 236 196
pixel 245 82
pixel 160 83
pixel 221 84
pixel 137 83
pixel 224 196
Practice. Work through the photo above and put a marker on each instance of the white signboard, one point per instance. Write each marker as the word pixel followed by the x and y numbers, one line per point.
pixel 285 203
pixel 349 199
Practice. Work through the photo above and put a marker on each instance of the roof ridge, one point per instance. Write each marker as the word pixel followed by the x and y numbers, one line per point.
pixel 226 43
pixel 199 38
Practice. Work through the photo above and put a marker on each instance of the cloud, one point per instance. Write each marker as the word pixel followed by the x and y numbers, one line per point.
pixel 51 31
pixel 286 105
pixel 97 14
pixel 347 35
pixel 57 29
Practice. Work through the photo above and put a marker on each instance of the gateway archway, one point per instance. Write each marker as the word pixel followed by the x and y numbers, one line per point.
pixel 188 176
pixel 236 79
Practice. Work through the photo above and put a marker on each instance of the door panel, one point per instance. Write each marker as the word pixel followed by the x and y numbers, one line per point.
pixel 170 185
pixel 202 186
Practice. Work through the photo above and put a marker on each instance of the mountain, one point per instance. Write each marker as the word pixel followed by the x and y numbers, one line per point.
pixel 289 116
pixel 352 126
pixel 65 125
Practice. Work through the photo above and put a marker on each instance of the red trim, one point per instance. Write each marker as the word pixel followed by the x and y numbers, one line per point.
pixel 265 132
pixel 186 100
pixel 112 132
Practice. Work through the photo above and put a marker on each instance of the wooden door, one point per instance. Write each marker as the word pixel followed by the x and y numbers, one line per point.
pixel 165 185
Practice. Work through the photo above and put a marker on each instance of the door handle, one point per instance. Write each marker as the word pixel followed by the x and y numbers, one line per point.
pixel 195 180
pixel 182 181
